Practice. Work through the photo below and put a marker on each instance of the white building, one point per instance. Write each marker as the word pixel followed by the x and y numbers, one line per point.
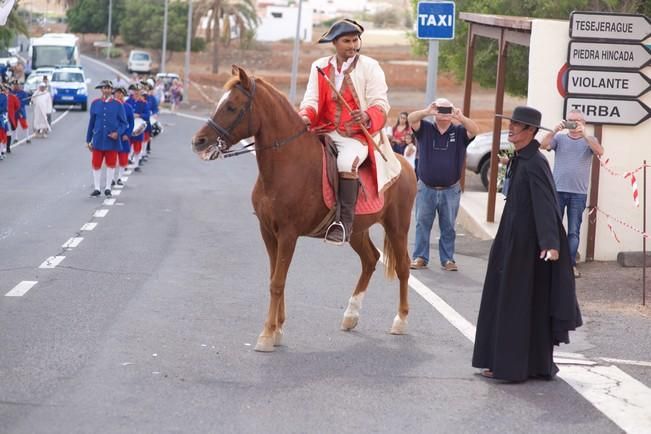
pixel 279 22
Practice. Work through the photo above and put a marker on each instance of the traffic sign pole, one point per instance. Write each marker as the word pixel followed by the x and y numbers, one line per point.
pixel 432 71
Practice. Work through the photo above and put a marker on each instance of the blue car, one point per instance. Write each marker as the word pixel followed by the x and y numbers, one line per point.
pixel 69 87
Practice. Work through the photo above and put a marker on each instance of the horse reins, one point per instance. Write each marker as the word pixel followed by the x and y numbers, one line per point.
pixel 225 133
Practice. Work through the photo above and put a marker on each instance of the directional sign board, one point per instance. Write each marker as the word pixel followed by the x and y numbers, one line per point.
pixel 607 83
pixel 609 111
pixel 608 55
pixel 435 20
pixel 621 27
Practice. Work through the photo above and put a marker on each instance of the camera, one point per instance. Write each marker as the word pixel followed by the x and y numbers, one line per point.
pixel 570 125
pixel 444 110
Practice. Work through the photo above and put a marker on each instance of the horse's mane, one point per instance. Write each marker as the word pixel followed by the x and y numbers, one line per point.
pixel 282 99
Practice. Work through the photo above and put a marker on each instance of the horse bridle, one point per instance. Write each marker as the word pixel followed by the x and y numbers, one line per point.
pixel 225 133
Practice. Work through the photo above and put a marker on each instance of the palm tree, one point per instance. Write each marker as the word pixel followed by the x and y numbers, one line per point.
pixel 15 25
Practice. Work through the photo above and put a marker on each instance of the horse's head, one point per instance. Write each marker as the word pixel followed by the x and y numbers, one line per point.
pixel 232 120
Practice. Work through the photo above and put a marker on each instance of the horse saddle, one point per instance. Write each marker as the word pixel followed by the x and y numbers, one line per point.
pixel 368 201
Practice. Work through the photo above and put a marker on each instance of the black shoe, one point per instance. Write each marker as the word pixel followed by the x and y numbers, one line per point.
pixel 113 183
pixel 120 182
pixel 95 193
pixel 136 169
pixel 130 161
pixel 107 193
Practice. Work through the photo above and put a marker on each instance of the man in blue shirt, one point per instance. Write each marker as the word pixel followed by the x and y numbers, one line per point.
pixel 125 139
pixel 441 154
pixel 574 149
pixel 140 110
pixel 107 124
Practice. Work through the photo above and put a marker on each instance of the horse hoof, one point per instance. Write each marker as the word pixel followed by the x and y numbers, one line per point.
pixel 278 338
pixel 265 344
pixel 349 322
pixel 399 326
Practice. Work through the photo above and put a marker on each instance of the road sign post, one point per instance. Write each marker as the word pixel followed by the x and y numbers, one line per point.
pixel 435 21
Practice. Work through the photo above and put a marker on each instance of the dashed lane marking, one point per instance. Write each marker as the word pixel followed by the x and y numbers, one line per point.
pixel 52 262
pixel 101 213
pixel 116 192
pixel 72 242
pixel 89 226
pixel 22 288
pixel 110 202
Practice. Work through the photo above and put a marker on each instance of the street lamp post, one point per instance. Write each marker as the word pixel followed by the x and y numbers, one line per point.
pixel 297 41
pixel 108 48
pixel 188 49
pixel 162 62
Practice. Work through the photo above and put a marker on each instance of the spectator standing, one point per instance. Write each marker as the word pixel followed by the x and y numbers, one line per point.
pixel 51 107
pixel 398 133
pixel 42 104
pixel 106 126
pixel 410 150
pixel 176 94
pixel 441 154
pixel 528 302
pixel 4 125
pixel 574 149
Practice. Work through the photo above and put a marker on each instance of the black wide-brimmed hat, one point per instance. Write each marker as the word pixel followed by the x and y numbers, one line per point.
pixel 104 83
pixel 120 89
pixel 340 28
pixel 526 115
pixel 134 86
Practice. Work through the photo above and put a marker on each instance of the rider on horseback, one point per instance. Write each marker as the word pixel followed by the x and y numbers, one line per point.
pixel 361 82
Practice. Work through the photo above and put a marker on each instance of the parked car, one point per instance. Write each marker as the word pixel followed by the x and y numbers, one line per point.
pixel 139 61
pixel 479 151
pixel 31 84
pixel 69 87
pixel 167 78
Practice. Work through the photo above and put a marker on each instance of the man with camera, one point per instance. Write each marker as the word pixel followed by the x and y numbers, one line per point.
pixel 441 154
pixel 574 149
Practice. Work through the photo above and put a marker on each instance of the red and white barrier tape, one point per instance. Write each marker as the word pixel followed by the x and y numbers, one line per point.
pixel 623 223
pixel 631 174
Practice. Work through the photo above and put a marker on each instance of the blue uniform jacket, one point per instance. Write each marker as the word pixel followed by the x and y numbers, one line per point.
pixel 153 108
pixel 125 145
pixel 24 102
pixel 106 117
pixel 4 120
pixel 140 107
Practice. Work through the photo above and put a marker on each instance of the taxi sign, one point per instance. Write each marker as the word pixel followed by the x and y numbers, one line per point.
pixel 435 20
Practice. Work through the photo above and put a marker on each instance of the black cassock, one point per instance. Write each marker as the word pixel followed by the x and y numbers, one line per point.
pixel 528 305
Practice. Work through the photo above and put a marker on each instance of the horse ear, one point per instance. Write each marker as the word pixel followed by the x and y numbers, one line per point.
pixel 244 78
pixel 235 70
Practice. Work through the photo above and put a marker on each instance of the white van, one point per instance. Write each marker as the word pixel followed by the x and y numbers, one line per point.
pixel 139 61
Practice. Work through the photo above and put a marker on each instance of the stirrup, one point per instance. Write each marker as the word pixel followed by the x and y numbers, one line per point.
pixel 343 229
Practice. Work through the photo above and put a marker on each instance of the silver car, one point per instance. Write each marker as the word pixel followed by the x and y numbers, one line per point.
pixel 479 151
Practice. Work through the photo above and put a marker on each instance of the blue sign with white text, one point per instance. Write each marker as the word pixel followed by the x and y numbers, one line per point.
pixel 435 20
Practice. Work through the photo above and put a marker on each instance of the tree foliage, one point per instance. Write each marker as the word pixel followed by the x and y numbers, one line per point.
pixel 452 54
pixel 142 24
pixel 15 25
pixel 91 16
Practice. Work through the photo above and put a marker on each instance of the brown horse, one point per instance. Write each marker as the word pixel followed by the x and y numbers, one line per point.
pixel 287 196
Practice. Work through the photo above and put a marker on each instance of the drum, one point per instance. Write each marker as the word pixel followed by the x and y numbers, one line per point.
pixel 139 126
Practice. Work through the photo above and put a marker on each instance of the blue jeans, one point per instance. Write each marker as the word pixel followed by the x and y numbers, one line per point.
pixel 575 204
pixel 429 202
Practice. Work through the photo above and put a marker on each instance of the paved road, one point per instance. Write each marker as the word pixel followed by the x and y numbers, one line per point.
pixel 148 324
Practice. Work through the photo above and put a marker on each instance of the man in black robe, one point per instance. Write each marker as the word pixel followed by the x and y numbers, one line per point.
pixel 529 301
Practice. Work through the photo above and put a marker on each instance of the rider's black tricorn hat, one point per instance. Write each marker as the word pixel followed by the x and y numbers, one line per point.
pixel 526 115
pixel 104 83
pixel 340 28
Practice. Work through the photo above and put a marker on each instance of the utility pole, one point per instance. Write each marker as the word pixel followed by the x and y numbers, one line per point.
pixel 108 48
pixel 162 61
pixel 297 42
pixel 188 49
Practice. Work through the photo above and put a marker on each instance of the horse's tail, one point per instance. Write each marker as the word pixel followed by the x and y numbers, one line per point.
pixel 390 259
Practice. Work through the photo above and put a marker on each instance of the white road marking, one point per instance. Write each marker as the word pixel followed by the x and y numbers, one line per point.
pixel 118 187
pixel 31 136
pixel 72 242
pixel 22 288
pixel 622 398
pixel 88 226
pixel 110 202
pixel 116 192
pixel 52 262
pixel 101 213
pixel 626 362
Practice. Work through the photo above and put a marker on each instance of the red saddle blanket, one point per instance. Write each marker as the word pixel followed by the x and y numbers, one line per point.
pixel 368 200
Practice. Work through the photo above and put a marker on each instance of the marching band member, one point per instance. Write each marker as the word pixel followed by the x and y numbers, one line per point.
pixel 140 110
pixel 107 124
pixel 125 139
pixel 21 117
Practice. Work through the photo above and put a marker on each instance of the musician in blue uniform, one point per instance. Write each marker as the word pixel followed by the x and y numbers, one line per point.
pixel 24 99
pixel 125 139
pixel 107 124
pixel 148 94
pixel 140 110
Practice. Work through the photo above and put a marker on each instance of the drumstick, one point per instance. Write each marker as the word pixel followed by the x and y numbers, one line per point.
pixel 350 110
